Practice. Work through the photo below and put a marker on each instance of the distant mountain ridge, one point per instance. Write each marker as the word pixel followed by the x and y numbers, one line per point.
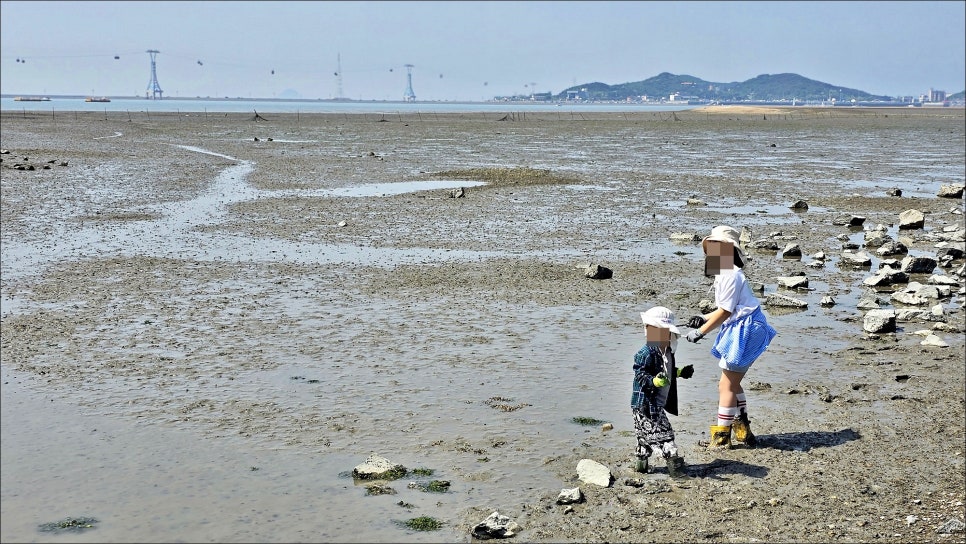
pixel 766 87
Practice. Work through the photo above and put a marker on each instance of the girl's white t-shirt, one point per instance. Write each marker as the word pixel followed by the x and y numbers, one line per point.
pixel 732 293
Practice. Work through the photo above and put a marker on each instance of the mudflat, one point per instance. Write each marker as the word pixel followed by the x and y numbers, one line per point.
pixel 209 319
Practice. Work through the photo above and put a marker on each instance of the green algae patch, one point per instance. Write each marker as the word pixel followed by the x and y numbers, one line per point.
pixel 587 421
pixel 73 525
pixel 424 523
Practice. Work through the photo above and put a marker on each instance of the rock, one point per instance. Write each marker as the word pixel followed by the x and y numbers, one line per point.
pixel 942 280
pixel 378 468
pixel 951 191
pixel 886 276
pixel 849 220
pixel 496 525
pixel 876 238
pixel 459 192
pixel 791 251
pixel 745 237
pixel 917 265
pixel 695 202
pixel 911 219
pixel 819 256
pixel 907 298
pixel 894 264
pixel 607 427
pixel 891 247
pixel 933 340
pixel 855 259
pixel 827 301
pixel 895 191
pixel 685 237
pixel 764 244
pixel 782 301
pixel 879 321
pixel 951 252
pixel 598 272
pixel 799 205
pixel 869 302
pixel 953 525
pixel 592 472
pixel 915 314
pixel 570 496
pixel 793 282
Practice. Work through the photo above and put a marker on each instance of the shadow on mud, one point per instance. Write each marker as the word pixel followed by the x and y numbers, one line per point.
pixel 806 441
pixel 720 467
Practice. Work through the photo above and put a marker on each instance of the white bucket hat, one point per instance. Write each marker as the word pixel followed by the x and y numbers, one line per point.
pixel 660 317
pixel 724 233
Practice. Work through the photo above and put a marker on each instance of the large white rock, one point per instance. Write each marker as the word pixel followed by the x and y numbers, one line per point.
pixel 592 472
pixel 876 321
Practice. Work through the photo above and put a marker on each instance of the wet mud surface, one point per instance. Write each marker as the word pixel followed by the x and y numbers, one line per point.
pixel 205 333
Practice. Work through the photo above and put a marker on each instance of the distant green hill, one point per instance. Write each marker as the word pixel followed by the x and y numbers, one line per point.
pixel 766 87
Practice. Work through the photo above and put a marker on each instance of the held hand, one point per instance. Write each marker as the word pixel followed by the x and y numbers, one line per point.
pixel 696 321
pixel 686 372
pixel 694 336
pixel 660 380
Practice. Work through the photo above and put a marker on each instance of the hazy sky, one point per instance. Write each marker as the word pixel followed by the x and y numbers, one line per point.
pixel 470 50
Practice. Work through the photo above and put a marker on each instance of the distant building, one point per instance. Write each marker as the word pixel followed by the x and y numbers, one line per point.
pixel 936 96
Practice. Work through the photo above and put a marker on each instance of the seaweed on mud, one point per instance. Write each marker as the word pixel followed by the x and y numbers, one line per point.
pixel 587 421
pixel 73 525
pixel 499 403
pixel 503 177
pixel 424 523
pixel 377 489
pixel 434 486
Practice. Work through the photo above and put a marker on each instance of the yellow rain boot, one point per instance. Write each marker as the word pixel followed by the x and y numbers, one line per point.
pixel 743 432
pixel 720 437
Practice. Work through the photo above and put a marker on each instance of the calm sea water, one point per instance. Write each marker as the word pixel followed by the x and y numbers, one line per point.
pixel 321 106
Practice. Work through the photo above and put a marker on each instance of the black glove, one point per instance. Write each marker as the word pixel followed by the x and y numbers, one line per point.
pixel 696 321
pixel 686 372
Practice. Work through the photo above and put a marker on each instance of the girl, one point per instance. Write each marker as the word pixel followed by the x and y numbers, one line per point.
pixel 655 391
pixel 744 335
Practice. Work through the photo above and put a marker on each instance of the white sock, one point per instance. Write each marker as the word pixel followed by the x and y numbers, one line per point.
pixel 726 415
pixel 742 404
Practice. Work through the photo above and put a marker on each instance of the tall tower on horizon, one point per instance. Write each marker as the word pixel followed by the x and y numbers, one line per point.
pixel 409 95
pixel 338 75
pixel 154 89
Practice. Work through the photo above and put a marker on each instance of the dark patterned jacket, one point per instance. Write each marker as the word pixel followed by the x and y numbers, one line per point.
pixel 645 397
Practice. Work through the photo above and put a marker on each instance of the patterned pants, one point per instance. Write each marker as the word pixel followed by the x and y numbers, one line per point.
pixel 654 433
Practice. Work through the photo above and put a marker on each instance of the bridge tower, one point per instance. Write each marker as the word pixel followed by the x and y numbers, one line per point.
pixel 154 89
pixel 409 95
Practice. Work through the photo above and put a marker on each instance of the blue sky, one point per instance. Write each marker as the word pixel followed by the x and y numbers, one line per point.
pixel 470 50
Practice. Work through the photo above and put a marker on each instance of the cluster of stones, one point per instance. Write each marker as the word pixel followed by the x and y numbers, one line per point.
pixel 895 274
pixel 25 164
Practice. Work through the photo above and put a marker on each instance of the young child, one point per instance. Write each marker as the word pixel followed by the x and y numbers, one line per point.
pixel 655 391
pixel 744 335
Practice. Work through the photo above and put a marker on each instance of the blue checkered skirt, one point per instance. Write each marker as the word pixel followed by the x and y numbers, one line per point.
pixel 741 342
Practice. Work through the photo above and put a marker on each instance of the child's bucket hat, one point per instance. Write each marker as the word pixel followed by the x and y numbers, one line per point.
pixel 660 317
pixel 724 233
